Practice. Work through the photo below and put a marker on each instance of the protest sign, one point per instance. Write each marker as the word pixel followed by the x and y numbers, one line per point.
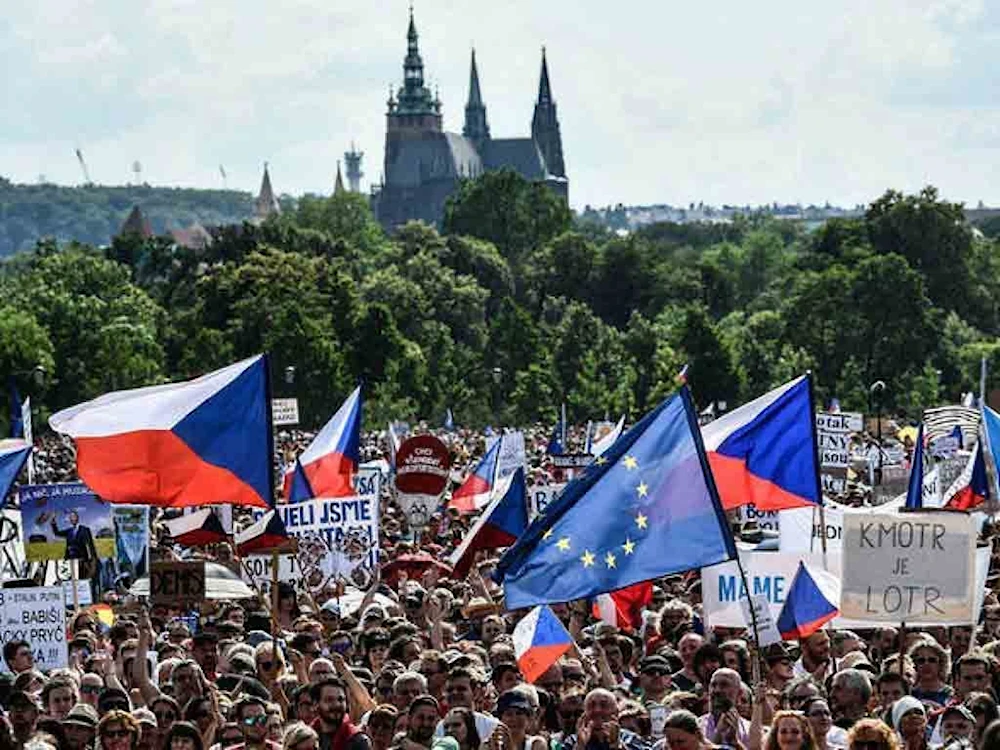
pixel 800 527
pixel 338 537
pixel 540 496
pixel 12 562
pixel 512 453
pixel 284 411
pixel 173 583
pixel 833 436
pixel 38 616
pixel 66 522
pixel 767 630
pixel 771 573
pixel 766 520
pixel 912 567
pixel 131 525
pixel 84 596
pixel 422 464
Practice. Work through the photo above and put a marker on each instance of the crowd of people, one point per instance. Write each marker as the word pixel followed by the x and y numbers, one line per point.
pixel 426 661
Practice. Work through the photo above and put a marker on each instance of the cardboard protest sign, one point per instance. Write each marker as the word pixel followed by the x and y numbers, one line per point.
pixel 540 496
pixel 173 583
pixel 767 629
pixel 422 466
pixel 833 437
pixel 131 525
pixel 338 537
pixel 38 616
pixel 512 453
pixel 910 567
pixel 66 522
pixel 766 520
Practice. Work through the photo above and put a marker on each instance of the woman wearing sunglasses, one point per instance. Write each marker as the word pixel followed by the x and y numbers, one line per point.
pixel 933 667
pixel 118 730
pixel 826 735
pixel 872 734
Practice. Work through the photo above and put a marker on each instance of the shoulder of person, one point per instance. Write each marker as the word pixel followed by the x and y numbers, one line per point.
pixel 359 741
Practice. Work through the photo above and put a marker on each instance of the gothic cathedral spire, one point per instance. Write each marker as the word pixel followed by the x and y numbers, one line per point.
pixel 545 125
pixel 476 127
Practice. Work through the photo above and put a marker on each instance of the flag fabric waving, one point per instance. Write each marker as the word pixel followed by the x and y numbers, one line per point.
pixel 503 521
pixel 811 602
pixel 622 609
pixel 268 534
pixel 327 467
pixel 16 412
pixel 556 446
pixel 539 640
pixel 600 447
pixel 915 490
pixel 197 529
pixel 201 442
pixel 13 455
pixel 970 488
pixel 990 441
pixel 765 452
pixel 477 489
pixel 645 509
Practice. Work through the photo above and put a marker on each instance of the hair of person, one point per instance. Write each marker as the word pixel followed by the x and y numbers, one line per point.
pixel 169 700
pixel 795 684
pixel 889 738
pixel 742 656
pixel 316 689
pixel 296 733
pixel 855 679
pixel 464 673
pixel 373 637
pixel 383 714
pixel 706 652
pixel 929 644
pixel 685 721
pixel 301 641
pixel 983 703
pixel 973 657
pixel 991 736
pixel 808 741
pixel 501 669
pixel 124 718
pixel 632 709
pixel 244 703
pixel 472 738
pixel 267 647
pixel 409 676
pixel 599 693
pixel 423 700
pixel 192 706
pixel 184 729
pixel 56 682
pixel 10 649
pixel 885 677
pixel 528 691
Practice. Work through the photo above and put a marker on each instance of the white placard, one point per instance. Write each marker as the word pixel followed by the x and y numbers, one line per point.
pixel 284 411
pixel 767 630
pixel 512 453
pixel 38 616
pixel 912 567
pixel 767 520
pixel 540 496
pixel 84 597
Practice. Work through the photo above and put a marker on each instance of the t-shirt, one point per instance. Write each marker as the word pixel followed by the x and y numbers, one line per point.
pixel 485 724
pixel 683 682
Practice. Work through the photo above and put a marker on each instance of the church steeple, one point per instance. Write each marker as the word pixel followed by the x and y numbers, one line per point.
pixel 414 107
pixel 266 204
pixel 338 185
pixel 476 127
pixel 545 125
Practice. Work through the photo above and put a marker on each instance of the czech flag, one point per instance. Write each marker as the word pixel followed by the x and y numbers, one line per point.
pixel 197 529
pixel 13 455
pixel 622 609
pixel 268 534
pixel 970 488
pixel 765 452
pixel 810 603
pixel 539 640
pixel 477 489
pixel 599 447
pixel 327 467
pixel 503 521
pixel 915 490
pixel 990 441
pixel 201 442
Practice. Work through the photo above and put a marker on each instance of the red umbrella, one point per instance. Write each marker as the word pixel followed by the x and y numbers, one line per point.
pixel 413 565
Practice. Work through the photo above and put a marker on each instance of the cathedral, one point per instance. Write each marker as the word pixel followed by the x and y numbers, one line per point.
pixel 424 164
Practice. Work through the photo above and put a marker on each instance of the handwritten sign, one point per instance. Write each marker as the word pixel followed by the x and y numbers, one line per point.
pixel 910 567
pixel 767 631
pixel 38 616
pixel 173 583
pixel 284 411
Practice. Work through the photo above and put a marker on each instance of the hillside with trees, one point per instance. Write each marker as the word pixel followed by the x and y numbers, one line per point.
pixel 513 309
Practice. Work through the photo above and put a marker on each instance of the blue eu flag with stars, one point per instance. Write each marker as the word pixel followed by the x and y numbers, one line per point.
pixel 646 508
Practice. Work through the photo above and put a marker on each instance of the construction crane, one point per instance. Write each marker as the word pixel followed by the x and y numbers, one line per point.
pixel 83 166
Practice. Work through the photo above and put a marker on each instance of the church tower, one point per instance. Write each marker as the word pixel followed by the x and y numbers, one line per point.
pixel 266 204
pixel 413 108
pixel 354 173
pixel 476 128
pixel 545 125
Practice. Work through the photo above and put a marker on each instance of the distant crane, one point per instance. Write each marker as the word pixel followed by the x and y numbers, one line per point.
pixel 222 171
pixel 83 166
pixel 137 171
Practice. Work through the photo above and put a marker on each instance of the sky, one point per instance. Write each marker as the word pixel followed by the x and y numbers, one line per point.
pixel 659 102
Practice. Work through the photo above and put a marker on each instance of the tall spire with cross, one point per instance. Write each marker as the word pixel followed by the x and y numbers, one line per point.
pixel 476 127
pixel 545 124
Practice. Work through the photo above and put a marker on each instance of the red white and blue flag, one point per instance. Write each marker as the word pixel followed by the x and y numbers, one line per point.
pixel 327 467
pixel 201 442
pixel 268 534
pixel 197 529
pixel 13 455
pixel 622 609
pixel 477 490
pixel 970 488
pixel 539 640
pixel 765 453
pixel 915 489
pixel 811 602
pixel 503 521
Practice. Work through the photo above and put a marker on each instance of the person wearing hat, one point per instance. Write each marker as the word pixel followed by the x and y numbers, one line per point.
pixel 22 711
pixel 909 719
pixel 655 681
pixel 80 726
pixel 779 666
pixel 422 717
pixel 515 712
pixel 957 721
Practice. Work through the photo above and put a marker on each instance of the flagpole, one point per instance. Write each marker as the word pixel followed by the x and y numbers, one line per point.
pixel 819 482
pixel 270 429
pixel 75 572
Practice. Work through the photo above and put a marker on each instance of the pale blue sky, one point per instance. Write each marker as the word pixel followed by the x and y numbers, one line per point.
pixel 730 101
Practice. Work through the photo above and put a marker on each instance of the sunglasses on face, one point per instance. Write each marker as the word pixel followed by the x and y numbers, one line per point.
pixel 165 718
pixel 249 721
pixel 115 734
pixel 926 660
pixel 267 666
pixel 90 689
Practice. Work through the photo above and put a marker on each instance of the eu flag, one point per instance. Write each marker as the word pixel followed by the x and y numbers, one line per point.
pixel 646 508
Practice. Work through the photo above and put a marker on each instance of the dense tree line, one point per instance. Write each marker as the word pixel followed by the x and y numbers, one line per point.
pixel 94 213
pixel 512 309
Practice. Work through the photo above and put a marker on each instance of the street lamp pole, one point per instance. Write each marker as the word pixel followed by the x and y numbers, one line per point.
pixel 877 390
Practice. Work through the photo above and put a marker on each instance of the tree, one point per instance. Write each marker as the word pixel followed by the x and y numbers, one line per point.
pixel 507 210
pixel 713 377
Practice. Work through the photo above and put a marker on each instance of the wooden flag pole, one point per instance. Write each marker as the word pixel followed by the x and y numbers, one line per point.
pixel 75 572
pixel 274 597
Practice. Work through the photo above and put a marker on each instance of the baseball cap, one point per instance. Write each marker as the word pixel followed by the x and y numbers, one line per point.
pixel 512 699
pixel 654 662
pixel 82 714
pixel 959 709
pixel 903 706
